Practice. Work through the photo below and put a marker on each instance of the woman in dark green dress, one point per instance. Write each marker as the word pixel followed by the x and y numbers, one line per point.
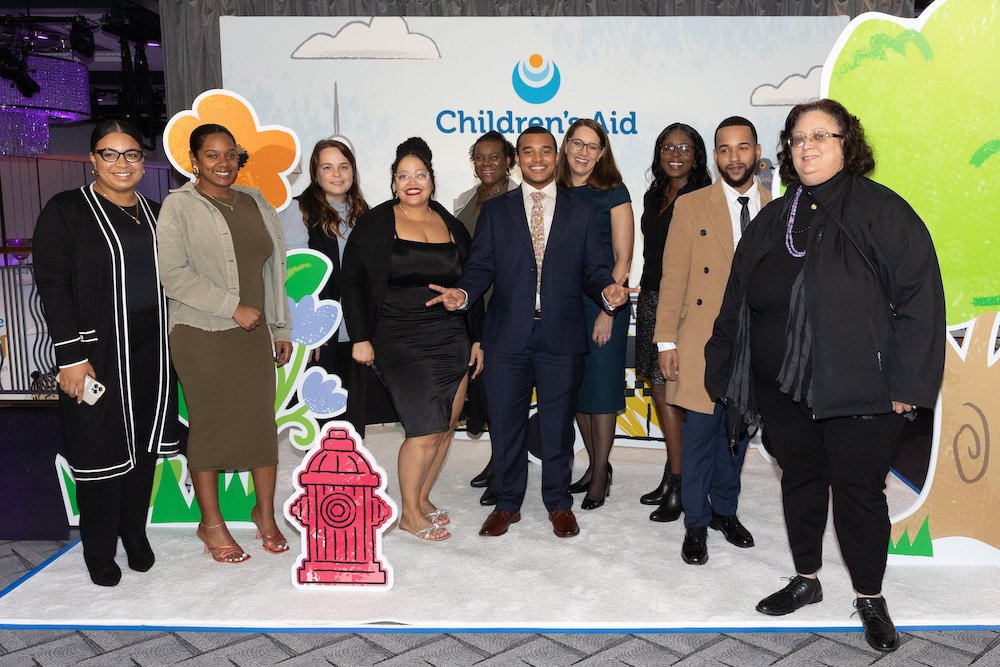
pixel 587 166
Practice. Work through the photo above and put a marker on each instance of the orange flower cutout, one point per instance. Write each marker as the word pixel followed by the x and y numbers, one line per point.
pixel 273 149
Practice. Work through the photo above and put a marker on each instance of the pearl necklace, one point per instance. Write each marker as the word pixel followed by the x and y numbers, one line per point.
pixel 789 243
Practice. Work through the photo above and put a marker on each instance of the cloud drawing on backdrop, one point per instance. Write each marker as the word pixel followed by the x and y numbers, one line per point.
pixel 794 89
pixel 385 37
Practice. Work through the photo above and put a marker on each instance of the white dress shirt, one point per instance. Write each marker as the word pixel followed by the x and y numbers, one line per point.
pixel 735 208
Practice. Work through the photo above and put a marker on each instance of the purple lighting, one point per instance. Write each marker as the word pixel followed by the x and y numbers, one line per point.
pixel 64 97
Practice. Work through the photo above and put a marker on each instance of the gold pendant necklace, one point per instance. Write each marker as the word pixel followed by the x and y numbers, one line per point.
pixel 216 199
pixel 134 217
pixel 407 214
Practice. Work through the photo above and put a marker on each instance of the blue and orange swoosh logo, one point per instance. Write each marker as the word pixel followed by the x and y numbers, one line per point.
pixel 536 80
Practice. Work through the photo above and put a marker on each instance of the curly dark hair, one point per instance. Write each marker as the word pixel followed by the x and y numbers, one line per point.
pixel 505 146
pixel 313 203
pixel 699 176
pixel 419 149
pixel 858 157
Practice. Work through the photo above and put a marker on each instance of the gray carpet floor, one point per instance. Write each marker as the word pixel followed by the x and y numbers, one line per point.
pixel 93 646
pixel 101 647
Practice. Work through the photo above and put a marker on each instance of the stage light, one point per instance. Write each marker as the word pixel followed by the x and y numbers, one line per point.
pixel 81 37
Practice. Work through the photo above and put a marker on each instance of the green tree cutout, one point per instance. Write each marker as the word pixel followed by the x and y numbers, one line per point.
pixel 928 100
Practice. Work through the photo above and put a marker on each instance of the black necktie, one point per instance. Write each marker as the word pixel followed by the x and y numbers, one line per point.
pixel 744 213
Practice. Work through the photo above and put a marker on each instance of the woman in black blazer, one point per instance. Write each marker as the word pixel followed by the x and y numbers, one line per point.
pixel 421 355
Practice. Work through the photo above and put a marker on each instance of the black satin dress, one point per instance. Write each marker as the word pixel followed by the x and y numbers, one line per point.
pixel 421 353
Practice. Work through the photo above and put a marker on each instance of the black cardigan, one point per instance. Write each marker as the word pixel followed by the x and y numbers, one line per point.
pixel 365 274
pixel 79 272
pixel 863 357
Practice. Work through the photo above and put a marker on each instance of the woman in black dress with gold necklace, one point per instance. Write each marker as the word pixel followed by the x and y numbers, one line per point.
pixel 421 355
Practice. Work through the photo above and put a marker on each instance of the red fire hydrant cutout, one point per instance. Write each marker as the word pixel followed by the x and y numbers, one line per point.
pixel 342 510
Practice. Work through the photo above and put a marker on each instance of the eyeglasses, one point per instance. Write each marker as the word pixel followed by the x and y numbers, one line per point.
pixel 111 155
pixel 815 137
pixel 419 177
pixel 578 146
pixel 683 149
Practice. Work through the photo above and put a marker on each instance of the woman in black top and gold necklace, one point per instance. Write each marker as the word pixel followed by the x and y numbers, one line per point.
pixel 95 268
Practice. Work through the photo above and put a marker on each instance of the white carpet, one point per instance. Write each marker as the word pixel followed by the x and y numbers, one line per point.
pixel 622 573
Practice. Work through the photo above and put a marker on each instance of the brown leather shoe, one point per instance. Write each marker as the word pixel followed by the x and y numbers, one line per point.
pixel 498 522
pixel 564 523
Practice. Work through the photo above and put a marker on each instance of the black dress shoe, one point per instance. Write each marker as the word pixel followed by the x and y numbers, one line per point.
pixel 799 592
pixel 103 571
pixel 733 530
pixel 483 478
pixel 489 497
pixel 670 508
pixel 694 551
pixel 656 496
pixel 140 554
pixel 880 633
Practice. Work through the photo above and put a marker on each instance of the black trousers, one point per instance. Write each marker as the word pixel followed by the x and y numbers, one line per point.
pixel 115 507
pixel 851 456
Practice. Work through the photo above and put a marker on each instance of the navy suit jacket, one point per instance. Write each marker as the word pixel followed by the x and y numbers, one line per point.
pixel 502 255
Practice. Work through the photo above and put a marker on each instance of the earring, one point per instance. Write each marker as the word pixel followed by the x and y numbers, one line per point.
pixel 93 172
pixel 194 169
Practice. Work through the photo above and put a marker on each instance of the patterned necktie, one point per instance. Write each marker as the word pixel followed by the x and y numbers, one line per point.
pixel 744 213
pixel 537 227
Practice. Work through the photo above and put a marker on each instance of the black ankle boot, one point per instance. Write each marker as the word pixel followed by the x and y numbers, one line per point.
pixel 103 571
pixel 655 497
pixel 483 478
pixel 670 507
pixel 140 554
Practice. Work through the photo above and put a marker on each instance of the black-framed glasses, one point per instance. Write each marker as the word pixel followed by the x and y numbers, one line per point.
pixel 683 149
pixel 815 137
pixel 580 146
pixel 111 155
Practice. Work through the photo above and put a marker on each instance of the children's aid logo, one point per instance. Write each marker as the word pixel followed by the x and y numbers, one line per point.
pixel 536 80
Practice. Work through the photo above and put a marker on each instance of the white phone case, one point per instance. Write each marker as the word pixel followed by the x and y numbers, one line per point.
pixel 92 390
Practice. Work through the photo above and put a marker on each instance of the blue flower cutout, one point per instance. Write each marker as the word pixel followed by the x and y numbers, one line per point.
pixel 323 393
pixel 314 321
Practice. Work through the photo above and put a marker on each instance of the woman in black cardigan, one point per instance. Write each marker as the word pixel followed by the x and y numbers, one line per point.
pixel 421 355
pixel 95 268
pixel 831 331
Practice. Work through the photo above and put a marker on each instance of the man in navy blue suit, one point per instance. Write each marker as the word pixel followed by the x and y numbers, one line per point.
pixel 540 249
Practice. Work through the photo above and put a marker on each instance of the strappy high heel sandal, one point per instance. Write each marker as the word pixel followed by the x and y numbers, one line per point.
pixel 273 544
pixel 231 553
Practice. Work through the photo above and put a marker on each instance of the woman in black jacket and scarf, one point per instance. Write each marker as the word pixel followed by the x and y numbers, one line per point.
pixel 830 334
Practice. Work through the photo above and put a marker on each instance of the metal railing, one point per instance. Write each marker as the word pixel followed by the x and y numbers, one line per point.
pixel 27 359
